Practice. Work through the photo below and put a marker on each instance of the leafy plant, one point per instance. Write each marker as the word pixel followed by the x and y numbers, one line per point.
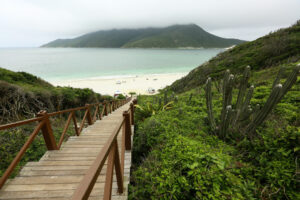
pixel 150 109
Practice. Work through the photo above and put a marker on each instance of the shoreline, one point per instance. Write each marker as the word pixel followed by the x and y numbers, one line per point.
pixel 109 85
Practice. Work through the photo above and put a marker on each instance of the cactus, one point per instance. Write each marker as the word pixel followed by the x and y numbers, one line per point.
pixel 243 88
pixel 290 81
pixel 225 123
pixel 225 80
pixel 244 118
pixel 248 98
pixel 209 104
pixel 256 110
pixel 227 93
pixel 279 75
pixel 244 106
pixel 242 92
pixel 262 114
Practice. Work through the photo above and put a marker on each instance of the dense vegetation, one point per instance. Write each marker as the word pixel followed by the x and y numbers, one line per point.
pixel 280 47
pixel 179 153
pixel 23 95
pixel 170 37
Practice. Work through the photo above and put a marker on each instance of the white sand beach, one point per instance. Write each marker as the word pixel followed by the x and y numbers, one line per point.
pixel 110 85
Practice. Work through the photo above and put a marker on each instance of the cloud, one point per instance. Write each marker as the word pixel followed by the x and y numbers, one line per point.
pixel 34 22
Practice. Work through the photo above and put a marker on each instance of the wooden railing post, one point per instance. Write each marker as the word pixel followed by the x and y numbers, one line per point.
pixel 113 162
pixel 100 113
pixel 119 170
pixel 89 116
pixel 47 131
pixel 105 108
pixel 132 113
pixel 127 130
pixel 75 123
pixel 110 106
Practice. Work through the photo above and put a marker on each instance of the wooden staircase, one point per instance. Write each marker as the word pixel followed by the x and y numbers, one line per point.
pixel 58 173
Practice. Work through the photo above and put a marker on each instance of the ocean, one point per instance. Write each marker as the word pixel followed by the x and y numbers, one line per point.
pixel 56 64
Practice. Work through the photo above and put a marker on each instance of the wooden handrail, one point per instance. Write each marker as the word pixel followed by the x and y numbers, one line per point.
pixel 86 185
pixel 110 151
pixel 44 124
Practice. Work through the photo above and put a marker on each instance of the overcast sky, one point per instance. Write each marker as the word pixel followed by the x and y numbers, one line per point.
pixel 25 23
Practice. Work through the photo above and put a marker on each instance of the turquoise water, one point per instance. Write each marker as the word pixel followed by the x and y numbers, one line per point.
pixel 79 63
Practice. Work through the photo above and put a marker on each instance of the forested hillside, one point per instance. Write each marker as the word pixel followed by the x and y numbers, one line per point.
pixel 170 37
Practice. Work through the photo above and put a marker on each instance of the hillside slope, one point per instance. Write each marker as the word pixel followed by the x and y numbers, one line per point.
pixel 170 37
pixel 282 46
pixel 23 95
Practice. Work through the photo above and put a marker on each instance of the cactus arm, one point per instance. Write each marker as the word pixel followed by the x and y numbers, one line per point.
pixel 226 121
pixel 263 113
pixel 243 88
pixel 279 75
pixel 209 104
pixel 227 96
pixel 290 81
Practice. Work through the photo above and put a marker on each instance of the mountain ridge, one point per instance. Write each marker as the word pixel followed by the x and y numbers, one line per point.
pixel 175 36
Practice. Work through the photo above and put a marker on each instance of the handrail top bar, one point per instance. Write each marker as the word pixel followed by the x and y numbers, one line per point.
pixel 65 111
pixel 23 122
pixel 19 123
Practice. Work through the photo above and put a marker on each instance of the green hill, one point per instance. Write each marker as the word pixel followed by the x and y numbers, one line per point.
pixel 282 46
pixel 24 94
pixel 170 37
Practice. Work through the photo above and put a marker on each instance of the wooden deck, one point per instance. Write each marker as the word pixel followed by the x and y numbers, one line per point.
pixel 58 173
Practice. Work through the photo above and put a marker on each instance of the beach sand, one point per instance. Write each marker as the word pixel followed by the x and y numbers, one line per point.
pixel 109 85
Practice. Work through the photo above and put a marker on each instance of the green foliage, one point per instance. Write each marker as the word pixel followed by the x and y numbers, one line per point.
pixel 176 157
pixel 22 78
pixel 174 36
pixel 132 93
pixel 121 96
pixel 150 109
pixel 187 169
